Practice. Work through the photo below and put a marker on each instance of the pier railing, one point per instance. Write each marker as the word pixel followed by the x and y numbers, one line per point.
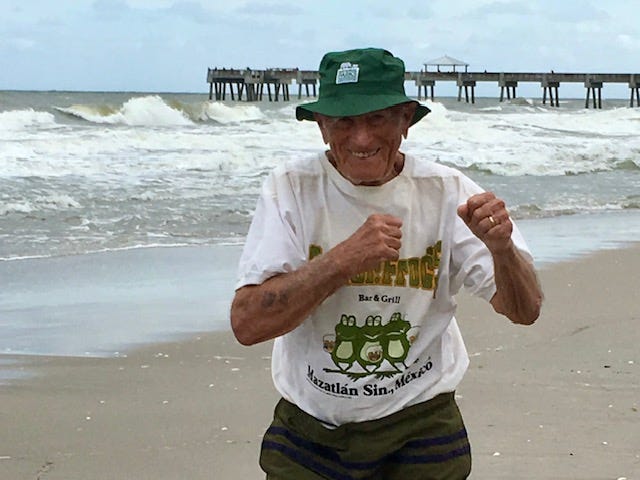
pixel 251 83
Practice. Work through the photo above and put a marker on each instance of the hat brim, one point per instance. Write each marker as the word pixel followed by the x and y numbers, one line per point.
pixel 357 105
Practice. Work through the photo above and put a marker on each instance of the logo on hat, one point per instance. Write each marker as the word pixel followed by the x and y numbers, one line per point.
pixel 347 73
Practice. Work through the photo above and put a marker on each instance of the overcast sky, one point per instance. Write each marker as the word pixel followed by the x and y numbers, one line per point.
pixel 167 45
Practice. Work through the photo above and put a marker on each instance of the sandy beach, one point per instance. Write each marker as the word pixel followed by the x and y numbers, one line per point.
pixel 559 400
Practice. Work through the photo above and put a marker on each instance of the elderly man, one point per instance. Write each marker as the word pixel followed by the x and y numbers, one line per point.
pixel 351 263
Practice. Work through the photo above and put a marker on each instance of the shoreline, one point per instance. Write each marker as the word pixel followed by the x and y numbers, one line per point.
pixel 556 400
pixel 109 302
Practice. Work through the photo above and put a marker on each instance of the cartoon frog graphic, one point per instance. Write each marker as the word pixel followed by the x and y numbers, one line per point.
pixel 396 341
pixel 371 353
pixel 345 346
pixel 373 347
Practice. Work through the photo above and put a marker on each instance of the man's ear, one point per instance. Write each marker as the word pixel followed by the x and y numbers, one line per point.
pixel 407 115
pixel 320 120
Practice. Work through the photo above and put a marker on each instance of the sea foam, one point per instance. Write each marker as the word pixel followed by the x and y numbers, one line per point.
pixel 543 143
pixel 16 120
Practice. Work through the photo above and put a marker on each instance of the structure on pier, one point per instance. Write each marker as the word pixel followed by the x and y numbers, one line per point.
pixel 446 62
pixel 250 84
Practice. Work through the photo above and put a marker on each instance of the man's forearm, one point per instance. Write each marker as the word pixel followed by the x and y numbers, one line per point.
pixel 262 312
pixel 518 294
pixel 280 304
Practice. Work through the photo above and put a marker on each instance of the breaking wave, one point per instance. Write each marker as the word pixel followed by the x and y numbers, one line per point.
pixel 139 111
pixel 153 110
pixel 15 120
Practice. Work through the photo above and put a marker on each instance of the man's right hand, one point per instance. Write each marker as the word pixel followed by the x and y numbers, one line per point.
pixel 377 240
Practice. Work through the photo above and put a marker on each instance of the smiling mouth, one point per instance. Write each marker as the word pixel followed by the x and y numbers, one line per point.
pixel 364 154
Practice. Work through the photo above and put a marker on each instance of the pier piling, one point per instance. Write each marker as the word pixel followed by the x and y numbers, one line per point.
pixel 591 87
pixel 552 87
pixel 465 83
pixel 307 79
pixel 634 88
pixel 509 85
pixel 422 85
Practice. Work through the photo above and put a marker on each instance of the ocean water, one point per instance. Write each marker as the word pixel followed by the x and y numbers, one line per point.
pixel 83 173
pixel 87 172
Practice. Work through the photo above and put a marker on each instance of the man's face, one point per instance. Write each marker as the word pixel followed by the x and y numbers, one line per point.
pixel 364 148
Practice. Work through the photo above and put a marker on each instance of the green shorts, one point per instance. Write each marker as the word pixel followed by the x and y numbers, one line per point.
pixel 424 441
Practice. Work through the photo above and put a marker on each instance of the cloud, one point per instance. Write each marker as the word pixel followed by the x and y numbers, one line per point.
pixel 628 42
pixel 154 12
pixel 411 11
pixel 269 8
pixel 569 12
pixel 551 10
pixel 190 10
pixel 19 43
pixel 110 10
pixel 420 12
pixel 167 44
pixel 148 4
pixel 500 8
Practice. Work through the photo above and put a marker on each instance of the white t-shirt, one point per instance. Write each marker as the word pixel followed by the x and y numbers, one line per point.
pixel 389 339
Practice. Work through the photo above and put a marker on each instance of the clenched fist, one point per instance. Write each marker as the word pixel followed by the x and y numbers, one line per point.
pixel 488 219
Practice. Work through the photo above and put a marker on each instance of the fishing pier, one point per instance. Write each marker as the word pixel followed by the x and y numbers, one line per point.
pixel 250 84
pixel 508 82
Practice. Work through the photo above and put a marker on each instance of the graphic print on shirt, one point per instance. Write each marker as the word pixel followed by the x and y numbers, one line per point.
pixel 414 272
pixel 372 348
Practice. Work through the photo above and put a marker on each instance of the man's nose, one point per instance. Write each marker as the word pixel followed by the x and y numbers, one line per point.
pixel 361 134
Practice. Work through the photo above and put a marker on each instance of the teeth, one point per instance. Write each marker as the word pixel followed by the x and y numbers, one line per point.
pixel 364 154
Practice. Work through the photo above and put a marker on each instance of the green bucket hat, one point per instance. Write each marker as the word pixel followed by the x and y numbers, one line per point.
pixel 359 81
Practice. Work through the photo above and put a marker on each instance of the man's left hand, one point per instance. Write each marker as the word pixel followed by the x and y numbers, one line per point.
pixel 487 217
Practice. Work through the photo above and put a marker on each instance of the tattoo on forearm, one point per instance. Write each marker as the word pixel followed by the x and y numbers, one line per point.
pixel 270 298
pixel 284 299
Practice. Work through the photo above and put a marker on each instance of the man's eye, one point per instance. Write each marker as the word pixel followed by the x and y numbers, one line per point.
pixel 344 123
pixel 377 120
